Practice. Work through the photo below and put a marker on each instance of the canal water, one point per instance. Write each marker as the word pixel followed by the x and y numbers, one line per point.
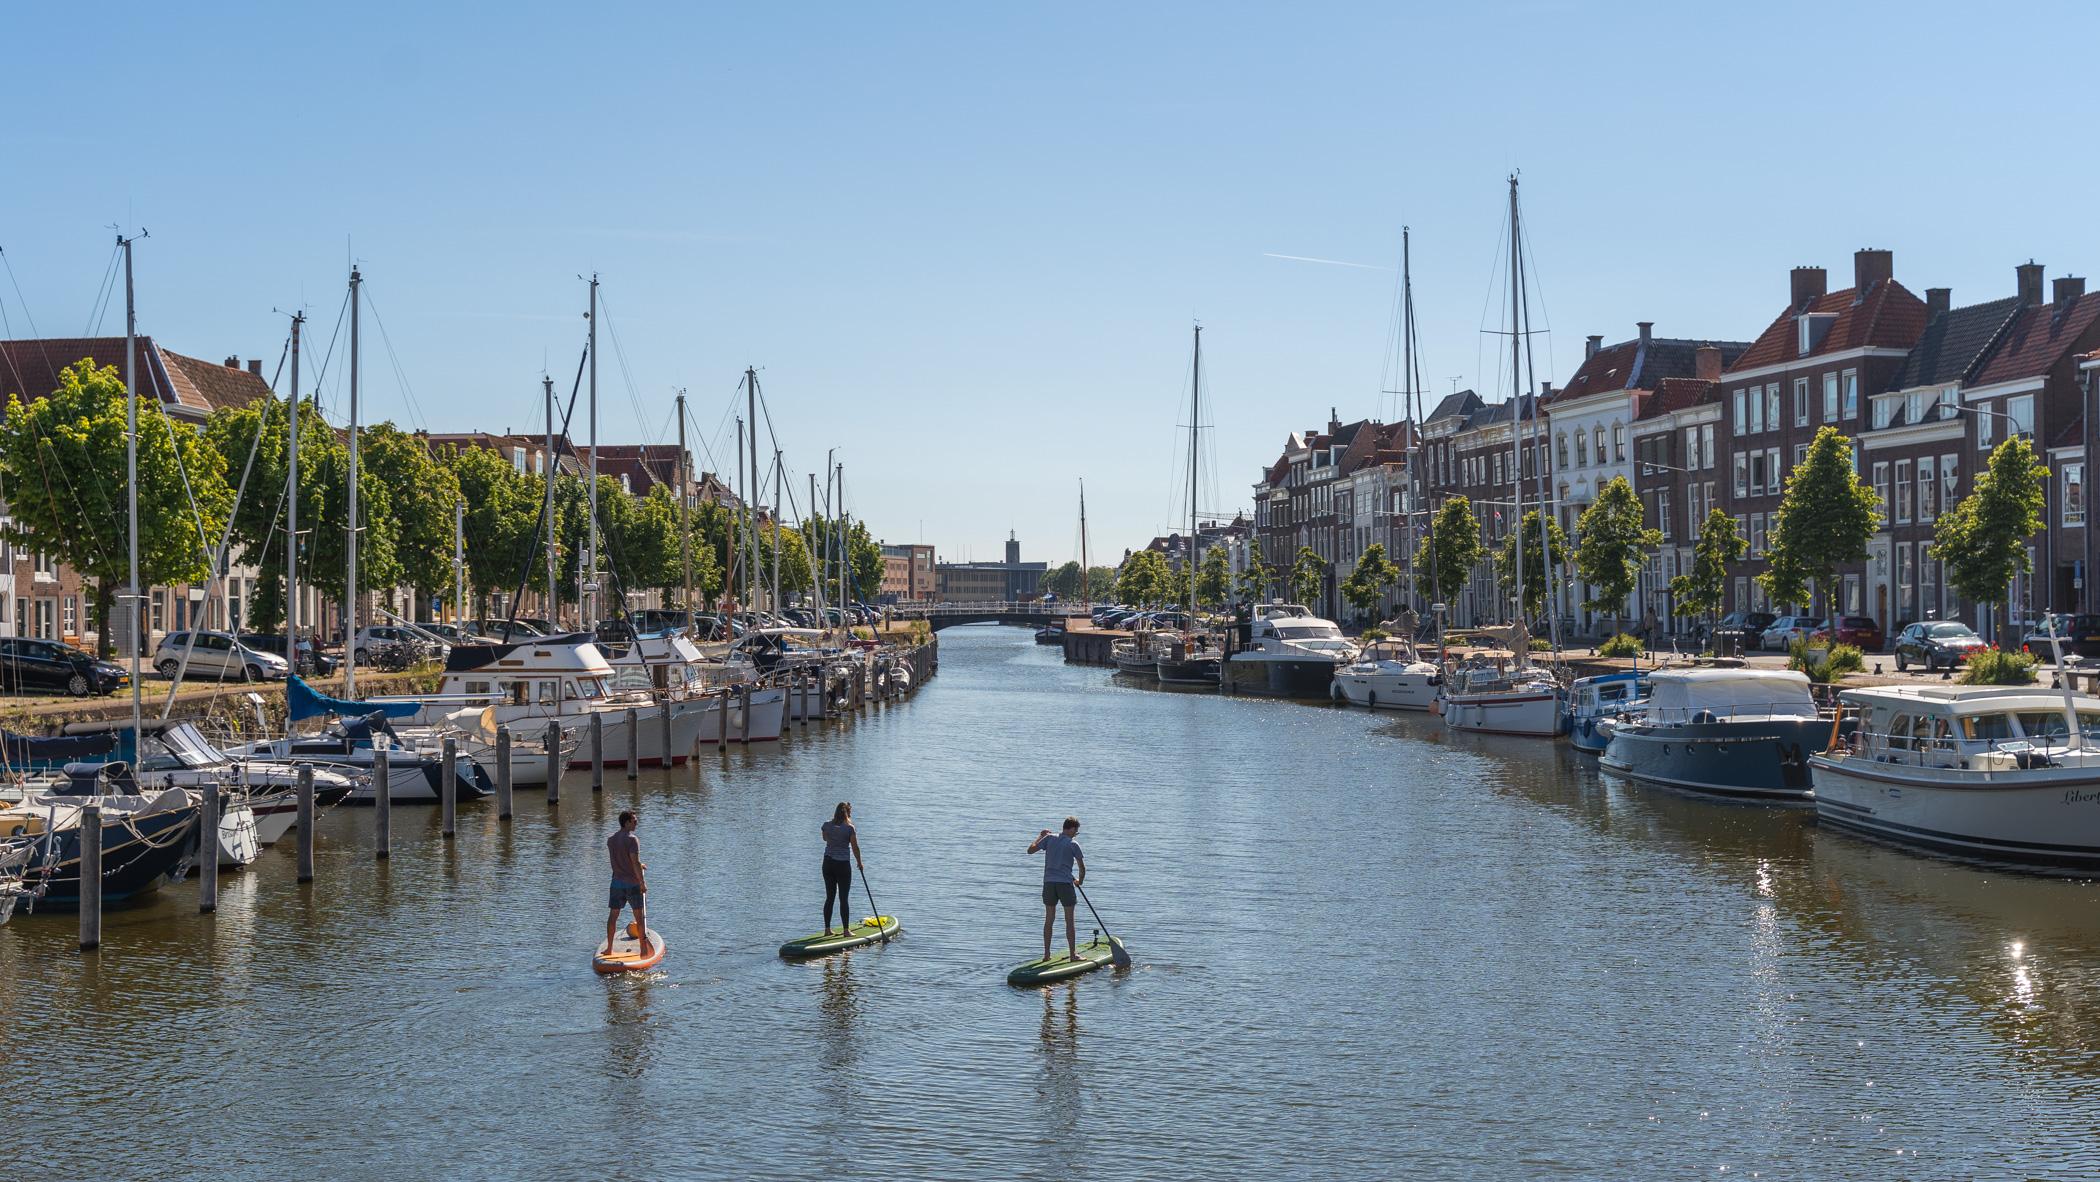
pixel 1365 948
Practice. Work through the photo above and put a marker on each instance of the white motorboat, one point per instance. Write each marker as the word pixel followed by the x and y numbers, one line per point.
pixel 1389 675
pixel 2004 774
pixel 1285 651
pixel 1489 695
pixel 565 679
pixel 670 670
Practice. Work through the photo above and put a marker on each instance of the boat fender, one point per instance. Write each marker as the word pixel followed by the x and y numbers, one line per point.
pixel 1371 699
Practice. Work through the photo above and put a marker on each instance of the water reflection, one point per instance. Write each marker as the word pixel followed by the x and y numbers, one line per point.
pixel 1060 1088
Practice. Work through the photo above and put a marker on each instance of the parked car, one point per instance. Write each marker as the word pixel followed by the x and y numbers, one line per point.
pixel 28 665
pixel 1781 633
pixel 310 661
pixel 1753 623
pixel 373 635
pixel 1936 644
pixel 1858 631
pixel 217 655
pixel 2079 636
pixel 453 633
pixel 499 629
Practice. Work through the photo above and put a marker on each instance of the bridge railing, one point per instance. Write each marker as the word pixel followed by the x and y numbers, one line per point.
pixel 993 607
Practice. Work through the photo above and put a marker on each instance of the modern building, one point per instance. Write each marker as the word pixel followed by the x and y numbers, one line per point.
pixel 990 582
pixel 907 573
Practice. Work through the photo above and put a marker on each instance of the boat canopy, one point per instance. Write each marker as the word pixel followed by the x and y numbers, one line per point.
pixel 302 701
pixel 1681 694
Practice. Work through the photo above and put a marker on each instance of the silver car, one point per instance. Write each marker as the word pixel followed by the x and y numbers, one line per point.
pixel 216 655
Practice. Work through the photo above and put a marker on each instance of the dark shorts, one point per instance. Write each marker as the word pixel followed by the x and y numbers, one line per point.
pixel 1060 892
pixel 625 896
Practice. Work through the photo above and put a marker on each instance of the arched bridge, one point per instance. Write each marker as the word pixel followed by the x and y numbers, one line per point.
pixel 1024 613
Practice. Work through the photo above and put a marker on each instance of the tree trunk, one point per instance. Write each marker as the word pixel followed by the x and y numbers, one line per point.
pixel 106 634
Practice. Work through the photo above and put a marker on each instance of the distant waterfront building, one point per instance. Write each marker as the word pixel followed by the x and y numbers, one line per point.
pixel 907 573
pixel 985 582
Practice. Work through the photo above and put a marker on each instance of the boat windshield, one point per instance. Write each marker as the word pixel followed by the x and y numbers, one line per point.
pixel 1295 632
pixel 2044 725
pixel 1986 728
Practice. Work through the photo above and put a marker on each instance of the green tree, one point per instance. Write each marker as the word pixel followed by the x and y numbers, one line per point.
pixel 1214 578
pixel 1374 575
pixel 1450 549
pixel 503 527
pixel 421 493
pixel 1063 581
pixel 1983 539
pixel 864 561
pixel 1701 590
pixel 1144 579
pixel 1100 582
pixel 641 539
pixel 1825 518
pixel 1614 542
pixel 1524 544
pixel 1308 576
pixel 1256 578
pixel 63 456
pixel 1177 583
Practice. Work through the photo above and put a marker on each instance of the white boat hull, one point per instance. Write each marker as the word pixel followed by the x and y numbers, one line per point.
pixel 239 841
pixel 1387 691
pixel 1534 713
pixel 2043 816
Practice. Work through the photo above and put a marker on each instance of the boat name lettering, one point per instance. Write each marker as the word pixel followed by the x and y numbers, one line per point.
pixel 2082 796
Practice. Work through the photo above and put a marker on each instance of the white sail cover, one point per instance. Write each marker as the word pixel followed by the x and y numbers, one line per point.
pixel 1678 695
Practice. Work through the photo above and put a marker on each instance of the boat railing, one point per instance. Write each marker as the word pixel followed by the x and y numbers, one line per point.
pixel 1774 711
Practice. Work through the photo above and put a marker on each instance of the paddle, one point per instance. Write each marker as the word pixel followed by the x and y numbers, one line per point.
pixel 881 928
pixel 1118 955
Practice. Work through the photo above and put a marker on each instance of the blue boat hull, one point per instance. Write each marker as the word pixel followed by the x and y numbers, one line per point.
pixel 135 859
pixel 1761 760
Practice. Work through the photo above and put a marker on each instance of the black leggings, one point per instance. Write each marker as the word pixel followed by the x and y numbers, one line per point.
pixel 838 879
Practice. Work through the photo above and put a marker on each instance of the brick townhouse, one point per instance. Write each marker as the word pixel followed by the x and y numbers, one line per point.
pixel 1677 473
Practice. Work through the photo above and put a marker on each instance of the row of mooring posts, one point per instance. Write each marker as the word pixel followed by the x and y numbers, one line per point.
pixel 806 687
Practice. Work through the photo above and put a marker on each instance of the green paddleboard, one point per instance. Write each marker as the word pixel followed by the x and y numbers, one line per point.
pixel 1092 955
pixel 867 931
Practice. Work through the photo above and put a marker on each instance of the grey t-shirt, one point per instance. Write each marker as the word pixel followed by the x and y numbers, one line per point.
pixel 838 840
pixel 1059 852
pixel 626 851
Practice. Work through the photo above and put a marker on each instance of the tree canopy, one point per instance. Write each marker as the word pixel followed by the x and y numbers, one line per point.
pixel 1701 590
pixel 1256 577
pixel 1308 576
pixel 1825 518
pixel 1450 550
pixel 1374 575
pixel 1144 579
pixel 1984 538
pixel 1214 578
pixel 1526 540
pixel 1614 542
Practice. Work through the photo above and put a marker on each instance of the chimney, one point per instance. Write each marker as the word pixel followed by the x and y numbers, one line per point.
pixel 1334 421
pixel 255 366
pixel 2066 291
pixel 1938 300
pixel 1809 283
pixel 233 363
pixel 1706 363
pixel 1546 391
pixel 2029 275
pixel 1596 342
pixel 1647 328
pixel 1870 267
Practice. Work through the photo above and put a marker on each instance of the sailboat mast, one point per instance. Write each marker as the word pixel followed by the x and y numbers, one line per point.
pixel 742 524
pixel 1516 404
pixel 1195 417
pixel 553 587
pixel 685 514
pixel 844 545
pixel 1407 363
pixel 816 560
pixel 776 529
pixel 291 501
pixel 1539 467
pixel 1085 592
pixel 588 569
pixel 350 575
pixel 751 501
pixel 131 465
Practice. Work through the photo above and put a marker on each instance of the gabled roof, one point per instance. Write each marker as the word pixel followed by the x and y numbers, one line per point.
pixel 190 388
pixel 1641 365
pixel 1507 410
pixel 2072 435
pixel 2039 338
pixel 1888 317
pixel 1459 405
pixel 1953 343
pixel 1677 394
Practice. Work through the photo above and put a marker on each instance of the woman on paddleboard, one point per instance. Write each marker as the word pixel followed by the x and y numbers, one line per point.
pixel 841 854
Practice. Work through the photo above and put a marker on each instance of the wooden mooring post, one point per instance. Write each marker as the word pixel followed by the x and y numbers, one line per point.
pixel 598 751
pixel 448 788
pixel 553 762
pixel 634 744
pixel 504 773
pixel 306 823
pixel 382 803
pixel 90 877
pixel 208 852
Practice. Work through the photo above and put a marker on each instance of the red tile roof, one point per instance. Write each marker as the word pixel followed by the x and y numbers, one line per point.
pixel 2038 339
pixel 189 387
pixel 1610 368
pixel 2072 435
pixel 1889 317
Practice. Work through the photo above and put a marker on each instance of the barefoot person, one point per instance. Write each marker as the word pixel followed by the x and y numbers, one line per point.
pixel 1060 854
pixel 841 842
pixel 628 885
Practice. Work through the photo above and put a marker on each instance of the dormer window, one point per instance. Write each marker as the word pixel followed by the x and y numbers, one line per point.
pixel 1814 326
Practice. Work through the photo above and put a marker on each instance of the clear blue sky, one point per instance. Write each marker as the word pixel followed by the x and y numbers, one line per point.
pixel 965 243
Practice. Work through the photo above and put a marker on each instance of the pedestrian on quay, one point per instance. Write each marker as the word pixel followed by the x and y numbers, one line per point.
pixel 841 843
pixel 628 885
pixel 1060 855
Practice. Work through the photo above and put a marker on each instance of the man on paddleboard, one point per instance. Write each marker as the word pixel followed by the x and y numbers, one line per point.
pixel 628 885
pixel 1060 854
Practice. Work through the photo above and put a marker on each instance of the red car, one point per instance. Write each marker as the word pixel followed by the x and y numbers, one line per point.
pixel 1857 631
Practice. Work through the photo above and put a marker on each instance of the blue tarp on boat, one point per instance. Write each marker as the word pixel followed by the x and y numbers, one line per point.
pixel 302 701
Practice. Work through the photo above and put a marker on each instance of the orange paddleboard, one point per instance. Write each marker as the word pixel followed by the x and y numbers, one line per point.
pixel 626 955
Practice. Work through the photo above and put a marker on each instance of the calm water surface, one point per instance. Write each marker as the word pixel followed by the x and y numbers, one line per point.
pixel 1365 947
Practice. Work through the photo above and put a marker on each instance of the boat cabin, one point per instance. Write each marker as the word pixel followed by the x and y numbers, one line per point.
pixel 542 672
pixel 1976 728
pixel 1677 696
